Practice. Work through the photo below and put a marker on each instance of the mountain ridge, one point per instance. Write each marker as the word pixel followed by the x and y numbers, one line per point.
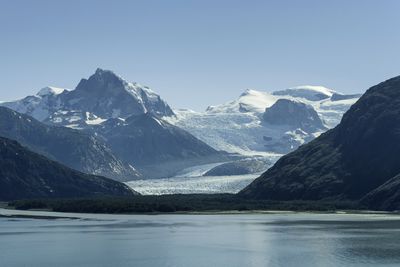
pixel 102 96
pixel 106 99
pixel 238 127
pixel 73 148
pixel 348 162
pixel 25 175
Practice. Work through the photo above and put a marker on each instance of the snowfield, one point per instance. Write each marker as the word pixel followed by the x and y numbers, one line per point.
pixel 238 126
pixel 232 132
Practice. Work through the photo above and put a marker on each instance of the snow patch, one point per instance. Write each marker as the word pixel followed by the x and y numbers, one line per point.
pixel 50 90
pixel 238 127
pixel 310 92
pixel 158 121
pixel 249 101
pixel 95 121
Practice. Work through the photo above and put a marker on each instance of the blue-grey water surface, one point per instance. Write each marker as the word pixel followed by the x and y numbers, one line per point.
pixel 300 239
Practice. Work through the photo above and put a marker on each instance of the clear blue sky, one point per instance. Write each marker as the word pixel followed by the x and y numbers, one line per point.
pixel 199 53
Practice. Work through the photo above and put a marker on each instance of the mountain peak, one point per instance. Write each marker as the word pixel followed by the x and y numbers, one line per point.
pixel 50 90
pixel 251 92
pixel 102 72
pixel 295 114
pixel 317 88
pixel 103 95
pixel 99 71
pixel 108 95
pixel 106 77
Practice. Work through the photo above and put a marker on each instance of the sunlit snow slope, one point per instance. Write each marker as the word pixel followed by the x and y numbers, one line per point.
pixel 238 126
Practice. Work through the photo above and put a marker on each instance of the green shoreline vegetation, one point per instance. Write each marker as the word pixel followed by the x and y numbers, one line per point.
pixel 179 203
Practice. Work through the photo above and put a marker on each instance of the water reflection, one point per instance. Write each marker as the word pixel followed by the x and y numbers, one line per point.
pixel 202 240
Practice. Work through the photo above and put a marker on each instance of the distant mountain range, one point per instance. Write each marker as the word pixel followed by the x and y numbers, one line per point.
pixel 357 160
pixel 112 128
pixel 109 127
pixel 124 130
pixel 25 174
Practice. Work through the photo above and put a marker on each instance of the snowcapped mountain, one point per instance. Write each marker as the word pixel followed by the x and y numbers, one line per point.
pixel 104 95
pixel 240 126
pixel 309 92
pixel 50 90
pixel 107 95
pixel 141 129
pixel 249 101
pixel 126 117
pixel 39 106
pixel 356 161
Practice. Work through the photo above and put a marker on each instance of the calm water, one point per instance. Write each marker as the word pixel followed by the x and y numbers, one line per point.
pixel 202 240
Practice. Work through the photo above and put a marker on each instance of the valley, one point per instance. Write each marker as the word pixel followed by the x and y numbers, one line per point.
pixel 138 136
pixel 285 145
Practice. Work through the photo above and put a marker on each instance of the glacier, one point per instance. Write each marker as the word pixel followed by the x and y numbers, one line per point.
pixel 238 126
pixel 192 185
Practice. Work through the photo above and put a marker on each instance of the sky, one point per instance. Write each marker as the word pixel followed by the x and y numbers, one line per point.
pixel 199 53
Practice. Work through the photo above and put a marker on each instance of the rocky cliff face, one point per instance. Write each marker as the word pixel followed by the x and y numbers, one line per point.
pixel 106 95
pixel 293 114
pixel 102 96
